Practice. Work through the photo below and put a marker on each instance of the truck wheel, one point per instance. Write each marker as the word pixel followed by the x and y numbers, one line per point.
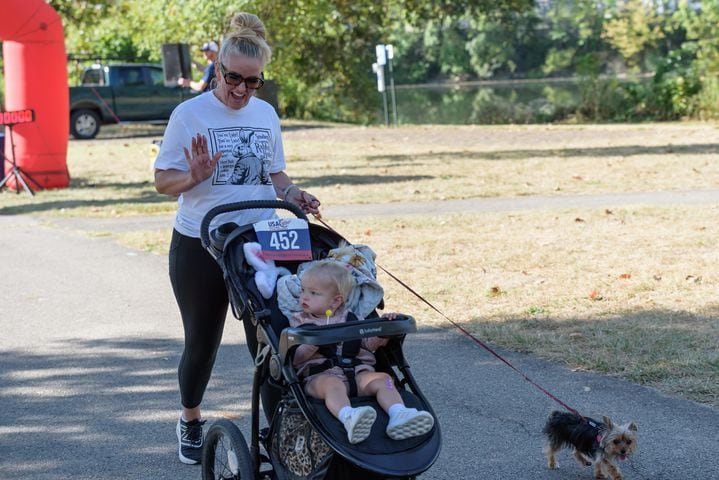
pixel 84 124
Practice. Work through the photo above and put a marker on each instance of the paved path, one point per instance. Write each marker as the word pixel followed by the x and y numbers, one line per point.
pixel 91 339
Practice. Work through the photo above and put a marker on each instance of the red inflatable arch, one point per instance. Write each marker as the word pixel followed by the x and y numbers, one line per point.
pixel 36 78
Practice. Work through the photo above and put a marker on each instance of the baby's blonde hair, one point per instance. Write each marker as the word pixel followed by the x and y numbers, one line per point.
pixel 246 36
pixel 332 272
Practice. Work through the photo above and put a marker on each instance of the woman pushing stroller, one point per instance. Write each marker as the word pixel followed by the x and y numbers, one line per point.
pixel 325 286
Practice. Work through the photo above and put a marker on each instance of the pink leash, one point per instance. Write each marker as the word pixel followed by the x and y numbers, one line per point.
pixel 464 331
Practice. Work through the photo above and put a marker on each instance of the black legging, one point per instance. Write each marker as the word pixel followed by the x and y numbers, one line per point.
pixel 201 295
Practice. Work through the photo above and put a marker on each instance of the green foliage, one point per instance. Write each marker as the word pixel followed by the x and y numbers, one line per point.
pixel 702 44
pixel 536 310
pixel 323 50
pixel 90 34
pixel 492 48
pixel 323 56
pixel 673 87
pixel 418 10
pixel 634 28
pixel 411 45
pixel 574 32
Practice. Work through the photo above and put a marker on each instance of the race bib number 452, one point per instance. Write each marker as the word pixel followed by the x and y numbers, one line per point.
pixel 284 239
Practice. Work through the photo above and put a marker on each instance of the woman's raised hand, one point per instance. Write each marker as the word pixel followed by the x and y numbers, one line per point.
pixel 199 160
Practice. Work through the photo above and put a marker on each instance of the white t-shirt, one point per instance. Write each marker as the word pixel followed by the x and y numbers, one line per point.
pixel 251 146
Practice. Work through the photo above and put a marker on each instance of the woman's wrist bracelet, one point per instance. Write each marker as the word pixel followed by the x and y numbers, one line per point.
pixel 287 189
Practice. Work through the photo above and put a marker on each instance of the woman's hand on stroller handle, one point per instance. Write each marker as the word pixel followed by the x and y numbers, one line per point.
pixel 305 200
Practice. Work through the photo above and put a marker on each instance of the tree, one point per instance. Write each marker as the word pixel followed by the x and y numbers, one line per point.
pixel 634 28
pixel 699 54
pixel 323 49
pixel 574 31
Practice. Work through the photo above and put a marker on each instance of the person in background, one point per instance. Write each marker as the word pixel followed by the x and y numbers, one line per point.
pixel 198 158
pixel 210 50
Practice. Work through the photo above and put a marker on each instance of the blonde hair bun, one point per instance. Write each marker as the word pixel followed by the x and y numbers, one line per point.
pixel 248 21
pixel 246 36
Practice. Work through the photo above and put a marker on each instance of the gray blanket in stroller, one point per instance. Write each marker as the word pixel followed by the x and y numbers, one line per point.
pixel 365 296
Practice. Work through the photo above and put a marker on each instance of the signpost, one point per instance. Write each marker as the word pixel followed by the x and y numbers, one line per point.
pixel 384 54
pixel 379 70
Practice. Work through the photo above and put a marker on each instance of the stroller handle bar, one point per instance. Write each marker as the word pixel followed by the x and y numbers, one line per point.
pixel 342 332
pixel 246 205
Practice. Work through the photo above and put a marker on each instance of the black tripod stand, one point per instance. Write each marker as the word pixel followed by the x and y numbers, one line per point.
pixel 16 171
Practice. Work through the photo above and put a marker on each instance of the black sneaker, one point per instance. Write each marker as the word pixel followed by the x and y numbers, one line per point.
pixel 189 436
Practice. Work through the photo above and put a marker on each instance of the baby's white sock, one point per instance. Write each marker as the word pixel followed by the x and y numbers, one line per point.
pixel 344 413
pixel 395 409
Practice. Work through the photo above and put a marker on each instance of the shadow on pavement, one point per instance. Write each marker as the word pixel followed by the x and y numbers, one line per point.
pixel 102 408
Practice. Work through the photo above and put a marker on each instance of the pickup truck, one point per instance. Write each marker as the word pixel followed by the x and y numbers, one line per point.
pixel 122 93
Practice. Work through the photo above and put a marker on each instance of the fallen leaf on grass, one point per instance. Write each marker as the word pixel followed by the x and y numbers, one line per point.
pixel 595 296
pixel 579 220
pixel 608 212
pixel 657 277
pixel 625 276
pixel 494 291
pixel 695 279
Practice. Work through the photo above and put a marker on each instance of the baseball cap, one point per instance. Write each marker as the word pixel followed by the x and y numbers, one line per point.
pixel 212 46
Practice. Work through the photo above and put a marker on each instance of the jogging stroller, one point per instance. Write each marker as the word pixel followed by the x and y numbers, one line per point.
pixel 303 440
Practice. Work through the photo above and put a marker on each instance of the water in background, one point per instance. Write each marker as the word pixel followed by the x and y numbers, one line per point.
pixel 485 102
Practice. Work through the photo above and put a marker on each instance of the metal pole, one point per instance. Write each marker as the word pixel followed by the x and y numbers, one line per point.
pixel 390 55
pixel 386 113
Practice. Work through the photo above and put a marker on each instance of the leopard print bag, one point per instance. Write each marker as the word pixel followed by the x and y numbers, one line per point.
pixel 298 451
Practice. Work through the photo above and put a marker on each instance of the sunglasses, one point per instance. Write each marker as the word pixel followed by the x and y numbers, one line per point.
pixel 235 79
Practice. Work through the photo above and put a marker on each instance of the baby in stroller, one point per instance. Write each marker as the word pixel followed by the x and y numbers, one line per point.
pixel 325 285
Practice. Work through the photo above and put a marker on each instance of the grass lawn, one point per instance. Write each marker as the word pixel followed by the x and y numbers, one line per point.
pixel 627 291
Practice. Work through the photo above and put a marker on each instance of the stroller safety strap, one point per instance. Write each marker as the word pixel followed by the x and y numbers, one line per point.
pixel 345 358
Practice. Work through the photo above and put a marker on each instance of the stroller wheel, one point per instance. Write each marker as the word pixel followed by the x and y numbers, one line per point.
pixel 225 455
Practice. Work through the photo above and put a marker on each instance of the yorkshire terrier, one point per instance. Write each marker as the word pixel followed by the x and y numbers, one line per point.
pixel 594 443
